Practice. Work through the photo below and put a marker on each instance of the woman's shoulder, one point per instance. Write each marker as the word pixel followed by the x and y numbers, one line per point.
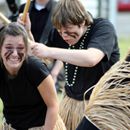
pixel 34 65
pixel 33 61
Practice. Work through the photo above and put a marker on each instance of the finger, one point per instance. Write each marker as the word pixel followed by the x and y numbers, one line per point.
pixel 19 20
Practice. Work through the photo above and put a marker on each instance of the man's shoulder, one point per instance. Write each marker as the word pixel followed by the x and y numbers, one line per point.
pixel 102 21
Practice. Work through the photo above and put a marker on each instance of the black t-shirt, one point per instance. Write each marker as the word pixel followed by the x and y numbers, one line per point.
pixel 101 36
pixel 86 124
pixel 23 105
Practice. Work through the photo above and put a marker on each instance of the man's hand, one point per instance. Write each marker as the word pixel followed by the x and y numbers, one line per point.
pixel 40 50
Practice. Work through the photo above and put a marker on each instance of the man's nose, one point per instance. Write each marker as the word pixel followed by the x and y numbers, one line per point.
pixel 64 35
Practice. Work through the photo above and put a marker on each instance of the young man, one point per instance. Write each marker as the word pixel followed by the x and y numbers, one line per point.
pixel 88 47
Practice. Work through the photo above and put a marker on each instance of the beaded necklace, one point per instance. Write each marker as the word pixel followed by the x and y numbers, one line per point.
pixel 81 46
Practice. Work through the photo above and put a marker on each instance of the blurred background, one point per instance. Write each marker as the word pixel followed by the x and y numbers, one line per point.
pixel 117 11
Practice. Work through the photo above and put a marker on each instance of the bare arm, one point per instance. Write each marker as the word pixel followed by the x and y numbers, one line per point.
pixel 86 58
pixel 56 69
pixel 48 93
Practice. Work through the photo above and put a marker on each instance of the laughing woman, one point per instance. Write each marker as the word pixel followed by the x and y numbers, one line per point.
pixel 26 87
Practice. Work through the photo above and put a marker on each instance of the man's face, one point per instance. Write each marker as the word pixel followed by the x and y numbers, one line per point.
pixel 72 33
pixel 13 53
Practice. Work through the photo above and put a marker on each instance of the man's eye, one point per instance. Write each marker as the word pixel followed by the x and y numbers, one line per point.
pixel 71 35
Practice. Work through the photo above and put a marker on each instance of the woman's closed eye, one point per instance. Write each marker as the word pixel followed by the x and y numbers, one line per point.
pixel 17 48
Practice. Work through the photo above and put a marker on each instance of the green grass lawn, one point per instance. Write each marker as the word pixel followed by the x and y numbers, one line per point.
pixel 1 108
pixel 124 44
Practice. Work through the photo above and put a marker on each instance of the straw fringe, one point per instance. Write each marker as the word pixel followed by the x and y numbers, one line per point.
pixel 109 104
pixel 71 111
pixel 60 124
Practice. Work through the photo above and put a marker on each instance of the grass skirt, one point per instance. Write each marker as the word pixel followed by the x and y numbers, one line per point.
pixel 109 104
pixel 60 124
pixel 72 112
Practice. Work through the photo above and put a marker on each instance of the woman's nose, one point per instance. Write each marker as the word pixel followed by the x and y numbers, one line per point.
pixel 15 52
